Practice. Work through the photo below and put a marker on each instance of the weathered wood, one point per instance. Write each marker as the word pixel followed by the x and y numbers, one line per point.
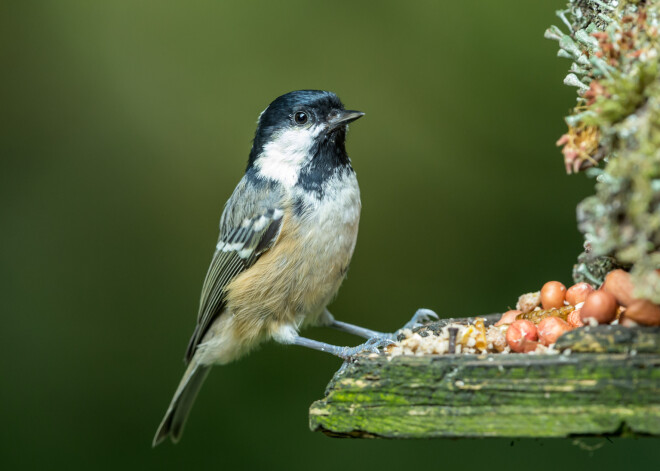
pixel 514 395
pixel 611 339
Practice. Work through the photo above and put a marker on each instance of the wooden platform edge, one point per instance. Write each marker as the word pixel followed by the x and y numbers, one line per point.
pixel 511 395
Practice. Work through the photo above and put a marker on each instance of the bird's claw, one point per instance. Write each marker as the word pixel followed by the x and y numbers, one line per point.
pixel 373 345
pixel 422 316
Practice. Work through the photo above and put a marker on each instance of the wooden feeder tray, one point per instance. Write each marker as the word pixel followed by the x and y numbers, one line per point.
pixel 606 381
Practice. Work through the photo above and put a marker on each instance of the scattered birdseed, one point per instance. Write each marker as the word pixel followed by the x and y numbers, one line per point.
pixel 472 338
pixel 529 301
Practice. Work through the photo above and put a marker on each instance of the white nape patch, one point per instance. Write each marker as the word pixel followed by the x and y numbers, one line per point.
pixel 283 157
pixel 285 333
pixel 277 214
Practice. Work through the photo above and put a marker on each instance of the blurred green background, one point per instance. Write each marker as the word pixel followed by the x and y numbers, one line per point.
pixel 124 128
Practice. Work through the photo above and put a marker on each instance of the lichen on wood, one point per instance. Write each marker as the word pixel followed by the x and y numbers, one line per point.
pixel 496 395
pixel 614 132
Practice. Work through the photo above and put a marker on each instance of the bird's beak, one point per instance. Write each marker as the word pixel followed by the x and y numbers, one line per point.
pixel 344 117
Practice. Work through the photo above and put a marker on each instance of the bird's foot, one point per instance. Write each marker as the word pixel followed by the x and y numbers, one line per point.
pixel 421 317
pixel 373 345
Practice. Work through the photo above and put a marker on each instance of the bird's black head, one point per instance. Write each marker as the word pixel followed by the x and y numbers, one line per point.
pixel 301 136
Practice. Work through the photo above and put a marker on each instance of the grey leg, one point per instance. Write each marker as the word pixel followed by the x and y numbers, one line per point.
pixel 359 331
pixel 420 317
pixel 329 320
pixel 342 352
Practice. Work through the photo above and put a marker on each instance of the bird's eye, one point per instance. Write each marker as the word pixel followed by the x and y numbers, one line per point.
pixel 300 117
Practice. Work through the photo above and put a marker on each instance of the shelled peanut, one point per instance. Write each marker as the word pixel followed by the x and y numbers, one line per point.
pixel 543 316
pixel 539 319
pixel 522 336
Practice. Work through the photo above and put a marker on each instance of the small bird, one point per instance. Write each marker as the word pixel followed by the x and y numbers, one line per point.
pixel 287 235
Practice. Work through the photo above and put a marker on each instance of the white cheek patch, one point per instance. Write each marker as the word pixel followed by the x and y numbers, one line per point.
pixel 286 153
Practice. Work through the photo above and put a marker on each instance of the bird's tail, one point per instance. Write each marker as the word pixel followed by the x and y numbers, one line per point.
pixel 183 400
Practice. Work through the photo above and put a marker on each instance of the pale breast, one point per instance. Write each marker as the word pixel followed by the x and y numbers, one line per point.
pixel 329 234
pixel 297 278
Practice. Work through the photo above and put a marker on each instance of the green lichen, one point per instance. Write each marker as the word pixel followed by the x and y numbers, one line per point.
pixel 622 95
pixel 615 51
pixel 492 396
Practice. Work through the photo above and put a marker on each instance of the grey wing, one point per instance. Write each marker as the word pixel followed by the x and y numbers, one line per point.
pixel 245 235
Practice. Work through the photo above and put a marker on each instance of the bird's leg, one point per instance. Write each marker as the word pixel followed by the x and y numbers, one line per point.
pixel 328 320
pixel 371 345
pixel 419 318
pixel 359 331
pixel 376 340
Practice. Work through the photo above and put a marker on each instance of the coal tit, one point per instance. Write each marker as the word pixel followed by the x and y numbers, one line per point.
pixel 287 235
